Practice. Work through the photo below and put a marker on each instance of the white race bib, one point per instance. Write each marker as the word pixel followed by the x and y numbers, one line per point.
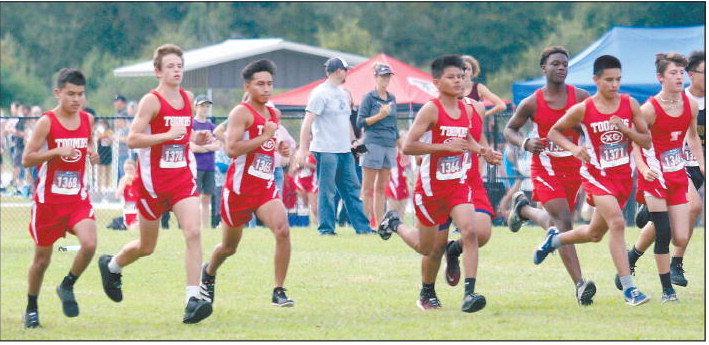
pixel 173 156
pixel 671 160
pixel 449 168
pixel 262 166
pixel 555 150
pixel 66 183
pixel 689 159
pixel 613 155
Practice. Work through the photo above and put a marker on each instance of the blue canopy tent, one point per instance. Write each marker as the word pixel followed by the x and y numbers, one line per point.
pixel 636 48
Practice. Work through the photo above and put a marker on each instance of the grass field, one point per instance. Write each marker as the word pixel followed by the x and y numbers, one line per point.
pixel 348 287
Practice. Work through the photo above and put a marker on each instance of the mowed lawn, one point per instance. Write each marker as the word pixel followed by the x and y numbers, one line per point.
pixel 347 287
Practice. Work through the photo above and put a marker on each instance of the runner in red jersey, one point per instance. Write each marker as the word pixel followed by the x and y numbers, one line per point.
pixel 610 122
pixel 127 191
pixel 306 183
pixel 440 133
pixel 397 192
pixel 161 131
pixel 662 182
pixel 250 186
pixel 60 145
pixel 694 165
pixel 555 172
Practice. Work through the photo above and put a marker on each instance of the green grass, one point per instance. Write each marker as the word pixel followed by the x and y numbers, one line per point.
pixel 347 288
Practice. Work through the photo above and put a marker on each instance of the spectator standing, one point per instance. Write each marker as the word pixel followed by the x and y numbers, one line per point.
pixel 204 156
pixel 327 125
pixel 377 116
pixel 104 140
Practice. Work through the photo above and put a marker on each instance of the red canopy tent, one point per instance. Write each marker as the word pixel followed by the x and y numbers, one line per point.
pixel 411 86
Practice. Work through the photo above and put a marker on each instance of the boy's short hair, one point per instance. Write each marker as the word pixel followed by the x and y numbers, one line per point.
pixel 163 50
pixel 440 63
pixel 662 60
pixel 70 75
pixel 605 62
pixel 695 58
pixel 262 65
pixel 551 50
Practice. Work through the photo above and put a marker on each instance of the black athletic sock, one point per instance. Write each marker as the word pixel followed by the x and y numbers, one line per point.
pixel 665 281
pixel 456 248
pixel 31 303
pixel 69 280
pixel 634 255
pixel 428 290
pixel 469 286
pixel 676 260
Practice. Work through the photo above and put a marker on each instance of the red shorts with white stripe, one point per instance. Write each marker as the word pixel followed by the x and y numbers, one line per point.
pixel 130 219
pixel 306 184
pixel 236 209
pixel 432 211
pixel 152 209
pixel 398 191
pixel 546 187
pixel 618 186
pixel 49 222
pixel 674 190
pixel 480 199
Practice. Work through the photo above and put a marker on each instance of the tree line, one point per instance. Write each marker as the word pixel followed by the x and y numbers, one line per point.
pixel 38 38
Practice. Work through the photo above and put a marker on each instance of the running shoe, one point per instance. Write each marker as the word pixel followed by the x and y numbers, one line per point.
pixel 618 285
pixel 111 281
pixel 69 305
pixel 585 291
pixel 206 286
pixel 514 218
pixel 473 302
pixel 634 297
pixel 389 224
pixel 669 295
pixel 279 298
pixel 677 275
pixel 31 319
pixel 545 248
pixel 196 310
pixel 452 266
pixel 426 303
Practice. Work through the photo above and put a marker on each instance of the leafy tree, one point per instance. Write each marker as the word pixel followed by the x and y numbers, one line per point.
pixel 349 37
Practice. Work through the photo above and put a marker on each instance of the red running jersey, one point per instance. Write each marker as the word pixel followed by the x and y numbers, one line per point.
pixel 252 173
pixel 440 172
pixel 554 158
pixel 608 147
pixel 63 180
pixel 170 165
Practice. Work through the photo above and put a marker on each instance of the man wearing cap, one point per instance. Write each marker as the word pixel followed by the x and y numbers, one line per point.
pixel 119 102
pixel 121 133
pixel 327 132
pixel 204 156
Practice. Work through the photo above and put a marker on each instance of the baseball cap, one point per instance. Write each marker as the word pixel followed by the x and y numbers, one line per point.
pixel 383 69
pixel 201 99
pixel 119 98
pixel 333 64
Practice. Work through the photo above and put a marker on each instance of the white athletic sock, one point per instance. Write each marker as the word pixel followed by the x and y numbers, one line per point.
pixel 113 266
pixel 191 291
pixel 626 282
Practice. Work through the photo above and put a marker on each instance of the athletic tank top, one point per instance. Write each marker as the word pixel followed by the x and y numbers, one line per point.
pixel 476 131
pixel 62 180
pixel 474 92
pixel 252 173
pixel 170 165
pixel 689 158
pixel 608 147
pixel 668 133
pixel 130 197
pixel 439 172
pixel 554 158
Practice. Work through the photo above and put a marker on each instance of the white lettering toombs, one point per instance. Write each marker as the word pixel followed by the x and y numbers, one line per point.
pixel 452 131
pixel 606 125
pixel 184 121
pixel 77 143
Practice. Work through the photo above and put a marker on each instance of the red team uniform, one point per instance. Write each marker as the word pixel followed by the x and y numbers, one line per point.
pixel 249 181
pixel 166 172
pixel 665 156
pixel 440 184
pixel 475 181
pixel 306 179
pixel 554 171
pixel 61 199
pixel 398 186
pixel 609 171
pixel 130 200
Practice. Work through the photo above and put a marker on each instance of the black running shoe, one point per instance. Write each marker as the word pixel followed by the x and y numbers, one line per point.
pixel 473 302
pixel 197 310
pixel 585 292
pixel 69 305
pixel 279 298
pixel 389 224
pixel 452 266
pixel 677 275
pixel 618 285
pixel 642 216
pixel 111 281
pixel 206 287
pixel 31 319
pixel 514 218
